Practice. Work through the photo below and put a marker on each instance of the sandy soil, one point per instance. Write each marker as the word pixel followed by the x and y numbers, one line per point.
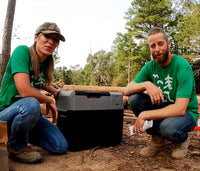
pixel 124 157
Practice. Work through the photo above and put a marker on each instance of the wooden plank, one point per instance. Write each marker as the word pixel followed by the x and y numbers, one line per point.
pixel 3 150
pixel 93 88
pixel 130 119
pixel 128 111
pixel 128 114
pixel 3 132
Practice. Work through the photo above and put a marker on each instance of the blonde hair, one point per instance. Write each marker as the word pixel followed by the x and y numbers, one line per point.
pixel 48 64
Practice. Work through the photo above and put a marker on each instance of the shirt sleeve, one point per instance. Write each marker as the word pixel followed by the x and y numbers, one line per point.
pixel 144 74
pixel 185 82
pixel 20 60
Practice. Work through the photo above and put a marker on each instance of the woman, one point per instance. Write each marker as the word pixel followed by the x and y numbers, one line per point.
pixel 28 71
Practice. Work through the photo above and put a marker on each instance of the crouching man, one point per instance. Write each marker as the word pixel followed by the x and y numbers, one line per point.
pixel 169 100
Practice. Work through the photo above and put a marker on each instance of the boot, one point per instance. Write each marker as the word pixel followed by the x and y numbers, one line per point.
pixel 25 156
pixel 181 149
pixel 156 144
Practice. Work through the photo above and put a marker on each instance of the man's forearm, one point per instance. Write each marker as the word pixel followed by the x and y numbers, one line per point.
pixel 177 109
pixel 134 87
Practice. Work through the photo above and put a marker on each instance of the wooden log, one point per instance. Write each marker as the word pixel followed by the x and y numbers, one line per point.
pixel 130 119
pixel 3 132
pixel 93 88
pixel 128 111
pixel 98 89
pixel 129 115
pixel 3 150
pixel 126 100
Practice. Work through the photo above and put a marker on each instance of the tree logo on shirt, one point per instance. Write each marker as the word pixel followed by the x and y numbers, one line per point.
pixel 167 85
pixel 38 82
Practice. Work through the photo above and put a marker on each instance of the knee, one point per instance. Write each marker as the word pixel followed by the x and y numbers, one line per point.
pixel 166 130
pixel 31 107
pixel 169 132
pixel 62 149
pixel 133 100
pixel 138 103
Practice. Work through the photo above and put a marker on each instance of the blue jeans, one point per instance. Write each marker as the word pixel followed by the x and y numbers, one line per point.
pixel 27 125
pixel 173 128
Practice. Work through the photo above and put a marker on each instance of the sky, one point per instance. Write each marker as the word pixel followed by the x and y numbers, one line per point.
pixel 88 25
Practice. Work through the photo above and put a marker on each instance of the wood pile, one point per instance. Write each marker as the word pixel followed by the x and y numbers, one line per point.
pixel 97 89
pixel 93 88
pixel 3 142
pixel 3 132
pixel 128 115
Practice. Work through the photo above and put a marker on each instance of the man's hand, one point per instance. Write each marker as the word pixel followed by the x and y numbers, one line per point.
pixel 155 93
pixel 52 106
pixel 139 123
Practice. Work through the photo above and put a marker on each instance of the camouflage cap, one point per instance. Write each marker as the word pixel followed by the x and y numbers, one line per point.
pixel 48 28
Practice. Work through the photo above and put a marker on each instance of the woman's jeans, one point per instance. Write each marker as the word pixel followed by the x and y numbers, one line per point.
pixel 173 128
pixel 27 125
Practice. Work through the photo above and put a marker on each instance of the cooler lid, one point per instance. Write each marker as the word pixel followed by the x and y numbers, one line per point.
pixel 86 100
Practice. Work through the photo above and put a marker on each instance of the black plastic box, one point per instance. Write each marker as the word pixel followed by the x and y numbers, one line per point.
pixel 90 119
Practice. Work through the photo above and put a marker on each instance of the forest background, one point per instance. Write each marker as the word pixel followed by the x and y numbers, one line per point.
pixel 181 21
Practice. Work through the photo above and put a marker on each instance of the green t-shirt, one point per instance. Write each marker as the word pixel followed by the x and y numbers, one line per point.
pixel 19 62
pixel 175 80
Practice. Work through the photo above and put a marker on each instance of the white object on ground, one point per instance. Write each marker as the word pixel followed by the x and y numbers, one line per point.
pixel 147 124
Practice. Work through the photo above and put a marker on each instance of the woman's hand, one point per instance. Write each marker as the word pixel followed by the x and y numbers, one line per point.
pixel 52 106
pixel 55 93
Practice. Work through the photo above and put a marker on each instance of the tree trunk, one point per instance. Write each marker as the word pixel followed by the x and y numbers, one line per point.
pixel 7 36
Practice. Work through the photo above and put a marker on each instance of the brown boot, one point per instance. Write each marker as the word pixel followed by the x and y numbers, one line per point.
pixel 25 156
pixel 181 149
pixel 156 144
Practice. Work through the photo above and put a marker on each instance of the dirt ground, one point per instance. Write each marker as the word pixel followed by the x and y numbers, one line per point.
pixel 123 157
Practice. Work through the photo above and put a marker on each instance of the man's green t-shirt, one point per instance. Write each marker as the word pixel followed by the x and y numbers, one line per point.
pixel 19 63
pixel 175 80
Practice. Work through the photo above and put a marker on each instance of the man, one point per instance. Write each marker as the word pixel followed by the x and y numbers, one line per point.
pixel 169 100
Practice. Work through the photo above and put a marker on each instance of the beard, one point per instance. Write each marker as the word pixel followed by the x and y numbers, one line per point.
pixel 164 59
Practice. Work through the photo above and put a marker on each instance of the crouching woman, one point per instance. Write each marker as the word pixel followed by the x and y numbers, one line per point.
pixel 29 70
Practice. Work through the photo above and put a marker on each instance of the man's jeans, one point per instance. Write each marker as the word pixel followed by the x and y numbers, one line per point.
pixel 27 125
pixel 173 128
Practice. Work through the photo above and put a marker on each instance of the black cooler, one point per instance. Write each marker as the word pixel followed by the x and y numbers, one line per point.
pixel 90 119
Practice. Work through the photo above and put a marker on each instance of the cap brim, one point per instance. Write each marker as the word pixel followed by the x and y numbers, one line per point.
pixel 62 38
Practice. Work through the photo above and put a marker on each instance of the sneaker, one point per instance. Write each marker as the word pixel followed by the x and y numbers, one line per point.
pixel 155 145
pixel 25 156
pixel 181 149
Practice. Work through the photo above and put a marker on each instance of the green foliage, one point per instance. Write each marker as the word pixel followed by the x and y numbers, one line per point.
pixel 131 51
pixel 0 62
pixel 143 15
pixel 181 21
pixel 56 56
pixel 188 37
pixel 99 69
pixel 77 75
pixel 63 75
pixel 195 66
